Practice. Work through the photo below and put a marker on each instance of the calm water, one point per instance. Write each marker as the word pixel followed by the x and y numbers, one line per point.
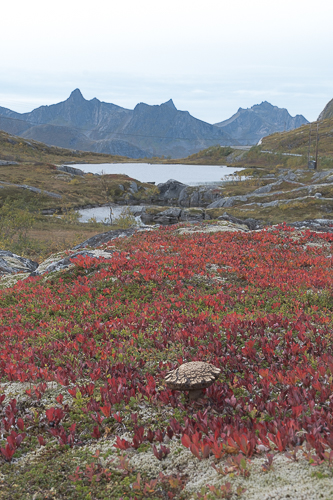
pixel 146 172
pixel 102 214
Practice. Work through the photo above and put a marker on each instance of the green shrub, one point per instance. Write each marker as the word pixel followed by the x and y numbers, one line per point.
pixel 14 225
pixel 126 219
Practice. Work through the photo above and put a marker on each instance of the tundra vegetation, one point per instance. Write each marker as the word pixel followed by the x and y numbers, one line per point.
pixel 85 412
pixel 84 409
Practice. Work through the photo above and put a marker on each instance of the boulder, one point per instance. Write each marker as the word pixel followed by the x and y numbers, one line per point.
pixel 169 191
pixel 99 239
pixel 133 187
pixel 227 202
pixel 193 215
pixel 173 216
pixel 167 217
pixel 65 262
pixel 10 263
pixel 198 196
pixel 70 170
pixel 252 224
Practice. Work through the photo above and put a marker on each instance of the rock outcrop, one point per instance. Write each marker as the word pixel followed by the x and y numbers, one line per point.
pixel 173 215
pixel 11 263
pixel 33 189
pixel 70 170
pixel 176 193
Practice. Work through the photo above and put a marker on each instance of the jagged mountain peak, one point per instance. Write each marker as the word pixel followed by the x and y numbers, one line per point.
pixel 76 95
pixel 169 104
pixel 143 106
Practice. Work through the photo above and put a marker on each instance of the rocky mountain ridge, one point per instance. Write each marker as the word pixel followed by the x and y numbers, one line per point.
pixel 102 127
pixel 145 131
pixel 249 125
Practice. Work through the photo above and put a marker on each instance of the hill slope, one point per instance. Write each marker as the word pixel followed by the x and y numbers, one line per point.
pixel 327 112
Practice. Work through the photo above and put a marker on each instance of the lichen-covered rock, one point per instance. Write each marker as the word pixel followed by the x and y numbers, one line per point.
pixel 11 263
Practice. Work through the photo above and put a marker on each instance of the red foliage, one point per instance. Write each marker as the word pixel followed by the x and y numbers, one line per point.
pixel 258 305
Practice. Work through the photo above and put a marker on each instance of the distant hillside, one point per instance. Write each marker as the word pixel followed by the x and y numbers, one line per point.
pixel 297 141
pixel 248 126
pixel 17 149
pixel 97 126
pixel 327 112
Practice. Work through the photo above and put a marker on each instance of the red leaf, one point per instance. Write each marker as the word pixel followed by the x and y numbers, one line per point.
pixel 186 441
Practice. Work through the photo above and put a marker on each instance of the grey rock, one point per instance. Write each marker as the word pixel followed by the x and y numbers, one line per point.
pixel 174 215
pixel 11 263
pixel 199 196
pixel 99 239
pixel 133 187
pixel 227 202
pixel 171 212
pixel 33 189
pixel 274 203
pixel 324 225
pixel 265 189
pixel 193 215
pixel 184 197
pixel 289 176
pixel 64 263
pixel 5 162
pixel 319 175
pixel 167 217
pixel 169 191
pixel 252 224
pixel 218 203
pixel 70 170
pixel 195 199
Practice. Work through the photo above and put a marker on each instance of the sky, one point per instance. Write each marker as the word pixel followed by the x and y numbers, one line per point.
pixel 210 57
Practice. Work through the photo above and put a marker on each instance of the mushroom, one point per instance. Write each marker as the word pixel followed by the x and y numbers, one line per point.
pixel 192 377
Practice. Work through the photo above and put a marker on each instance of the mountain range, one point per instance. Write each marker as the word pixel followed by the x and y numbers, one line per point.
pixel 248 126
pixel 146 131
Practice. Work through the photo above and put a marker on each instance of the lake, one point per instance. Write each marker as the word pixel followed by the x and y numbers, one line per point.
pixel 191 175
pixel 102 214
pixel 146 172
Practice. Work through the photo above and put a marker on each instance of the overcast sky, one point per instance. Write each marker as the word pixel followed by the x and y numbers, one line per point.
pixel 211 57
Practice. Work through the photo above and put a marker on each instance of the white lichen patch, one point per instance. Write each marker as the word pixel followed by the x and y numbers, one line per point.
pixel 294 480
pixel 55 257
pixel 18 390
pixel 213 228
pixel 9 280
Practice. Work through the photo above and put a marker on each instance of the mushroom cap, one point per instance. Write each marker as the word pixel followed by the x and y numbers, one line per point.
pixel 192 376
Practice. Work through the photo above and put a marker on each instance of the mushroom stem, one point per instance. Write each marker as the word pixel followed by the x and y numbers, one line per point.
pixel 196 394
